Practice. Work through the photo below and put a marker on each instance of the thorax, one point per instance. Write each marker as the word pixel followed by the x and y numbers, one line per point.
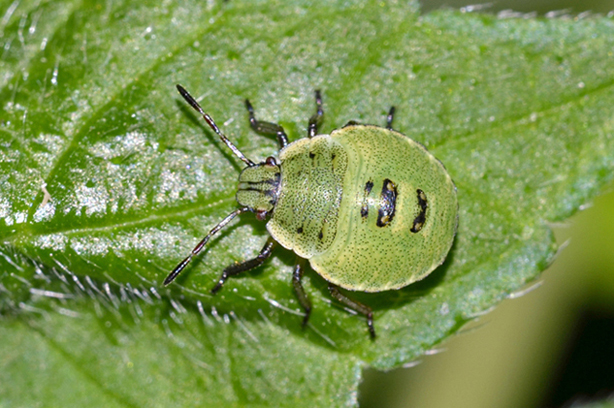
pixel 312 176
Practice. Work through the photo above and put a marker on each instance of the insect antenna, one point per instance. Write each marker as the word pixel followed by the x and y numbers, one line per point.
pixel 189 99
pixel 171 276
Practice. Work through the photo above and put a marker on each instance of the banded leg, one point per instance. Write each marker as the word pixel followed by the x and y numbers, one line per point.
pixel 236 269
pixel 316 119
pixel 297 277
pixel 390 117
pixel 266 128
pixel 354 305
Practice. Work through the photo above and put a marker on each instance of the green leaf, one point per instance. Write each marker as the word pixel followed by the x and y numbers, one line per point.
pixel 126 349
pixel 108 179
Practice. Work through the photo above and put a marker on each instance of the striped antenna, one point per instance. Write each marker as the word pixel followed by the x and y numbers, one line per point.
pixel 213 126
pixel 171 276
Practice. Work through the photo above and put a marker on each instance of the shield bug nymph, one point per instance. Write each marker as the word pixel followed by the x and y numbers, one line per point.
pixel 368 207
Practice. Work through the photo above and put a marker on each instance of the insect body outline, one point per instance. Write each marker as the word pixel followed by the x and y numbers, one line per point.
pixel 368 207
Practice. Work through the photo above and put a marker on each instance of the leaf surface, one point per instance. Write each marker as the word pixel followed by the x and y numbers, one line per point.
pixel 108 179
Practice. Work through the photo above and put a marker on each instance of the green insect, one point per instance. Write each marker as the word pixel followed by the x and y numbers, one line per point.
pixel 370 208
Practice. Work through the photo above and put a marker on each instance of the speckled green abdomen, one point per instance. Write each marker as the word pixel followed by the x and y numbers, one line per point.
pixel 311 192
pixel 369 208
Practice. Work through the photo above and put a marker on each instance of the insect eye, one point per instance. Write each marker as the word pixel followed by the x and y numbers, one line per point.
pixel 271 161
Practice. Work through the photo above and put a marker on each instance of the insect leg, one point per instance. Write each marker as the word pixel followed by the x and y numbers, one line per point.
pixel 266 128
pixel 245 266
pixel 316 119
pixel 351 123
pixel 297 277
pixel 390 117
pixel 354 305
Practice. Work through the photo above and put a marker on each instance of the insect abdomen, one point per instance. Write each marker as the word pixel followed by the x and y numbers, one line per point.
pixel 398 217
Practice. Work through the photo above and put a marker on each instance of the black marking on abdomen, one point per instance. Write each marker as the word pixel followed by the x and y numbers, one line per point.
pixel 385 214
pixel 421 218
pixel 368 187
pixel 364 210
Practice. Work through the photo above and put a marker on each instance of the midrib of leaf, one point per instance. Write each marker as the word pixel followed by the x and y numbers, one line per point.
pixel 151 218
